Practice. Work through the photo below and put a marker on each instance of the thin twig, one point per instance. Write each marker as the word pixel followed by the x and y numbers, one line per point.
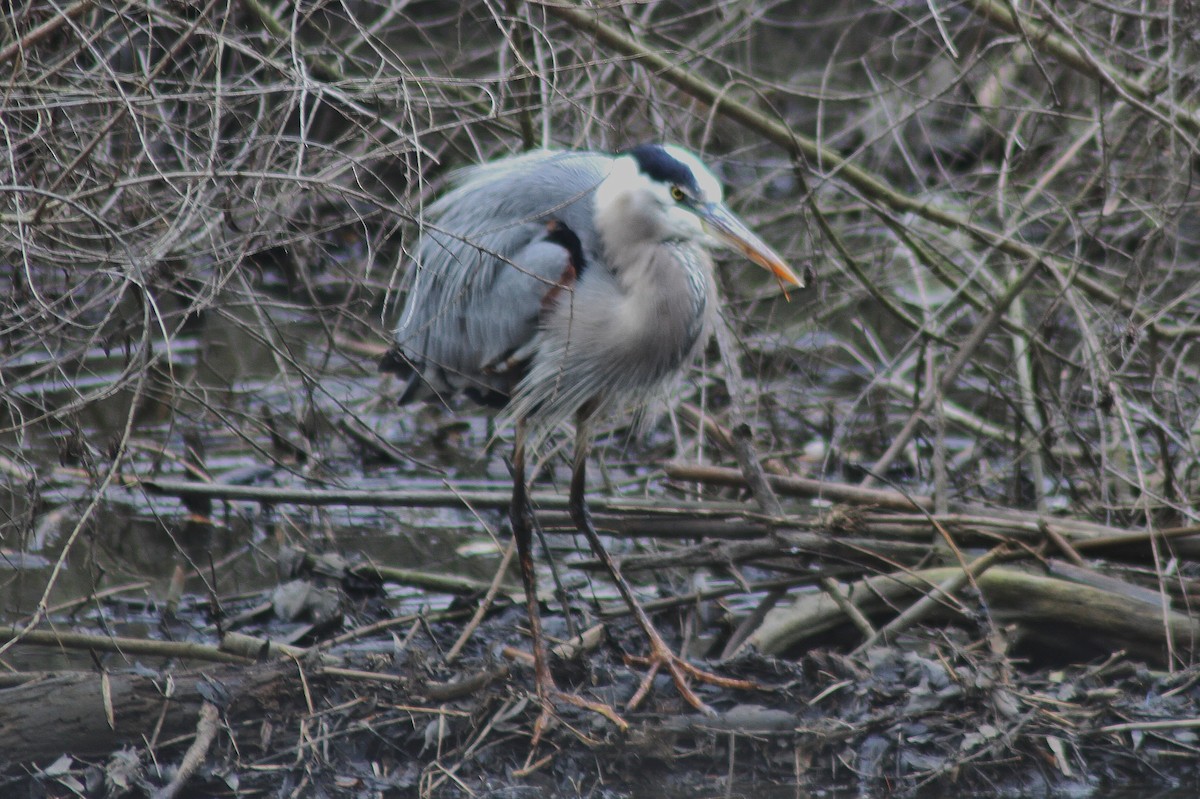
pixel 207 726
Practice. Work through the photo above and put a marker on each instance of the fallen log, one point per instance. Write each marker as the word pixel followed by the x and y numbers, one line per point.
pixel 1035 602
pixel 41 720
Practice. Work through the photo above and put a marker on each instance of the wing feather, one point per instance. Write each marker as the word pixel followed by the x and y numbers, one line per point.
pixel 483 265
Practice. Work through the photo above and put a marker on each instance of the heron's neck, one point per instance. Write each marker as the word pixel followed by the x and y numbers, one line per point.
pixel 627 221
pixel 655 256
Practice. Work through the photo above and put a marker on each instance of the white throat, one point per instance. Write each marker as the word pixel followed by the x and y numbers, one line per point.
pixel 633 213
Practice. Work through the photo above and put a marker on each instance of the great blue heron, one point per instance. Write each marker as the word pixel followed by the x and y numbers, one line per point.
pixel 564 286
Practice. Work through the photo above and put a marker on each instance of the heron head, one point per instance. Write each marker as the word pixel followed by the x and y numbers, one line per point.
pixel 675 190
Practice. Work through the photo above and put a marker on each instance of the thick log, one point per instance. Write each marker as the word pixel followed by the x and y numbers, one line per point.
pixel 1096 616
pixel 41 720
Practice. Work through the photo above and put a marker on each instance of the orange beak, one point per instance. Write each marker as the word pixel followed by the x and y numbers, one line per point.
pixel 734 233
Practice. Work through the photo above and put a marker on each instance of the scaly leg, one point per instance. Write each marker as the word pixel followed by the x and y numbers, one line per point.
pixel 521 515
pixel 660 654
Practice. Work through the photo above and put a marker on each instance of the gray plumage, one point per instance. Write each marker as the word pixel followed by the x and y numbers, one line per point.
pixel 475 311
pixel 565 286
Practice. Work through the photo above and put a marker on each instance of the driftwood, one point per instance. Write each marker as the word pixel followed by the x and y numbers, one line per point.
pixel 479 499
pixel 790 546
pixel 1118 621
pixel 206 732
pixel 91 715
pixel 973 522
pixel 70 713
pixel 128 647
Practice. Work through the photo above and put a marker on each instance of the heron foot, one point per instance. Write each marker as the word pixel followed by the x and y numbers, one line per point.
pixel 660 654
pixel 549 694
pixel 661 657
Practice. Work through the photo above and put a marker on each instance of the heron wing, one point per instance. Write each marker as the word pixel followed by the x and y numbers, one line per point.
pixel 484 267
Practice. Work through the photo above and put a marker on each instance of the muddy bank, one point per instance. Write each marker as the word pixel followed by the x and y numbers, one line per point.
pixel 1020 671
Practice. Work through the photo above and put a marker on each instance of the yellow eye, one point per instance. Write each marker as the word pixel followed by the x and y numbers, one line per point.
pixel 677 194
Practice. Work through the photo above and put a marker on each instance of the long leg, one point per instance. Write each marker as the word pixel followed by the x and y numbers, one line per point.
pixel 660 654
pixel 521 515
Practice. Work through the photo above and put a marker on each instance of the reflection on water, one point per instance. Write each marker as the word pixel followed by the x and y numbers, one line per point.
pixel 224 403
